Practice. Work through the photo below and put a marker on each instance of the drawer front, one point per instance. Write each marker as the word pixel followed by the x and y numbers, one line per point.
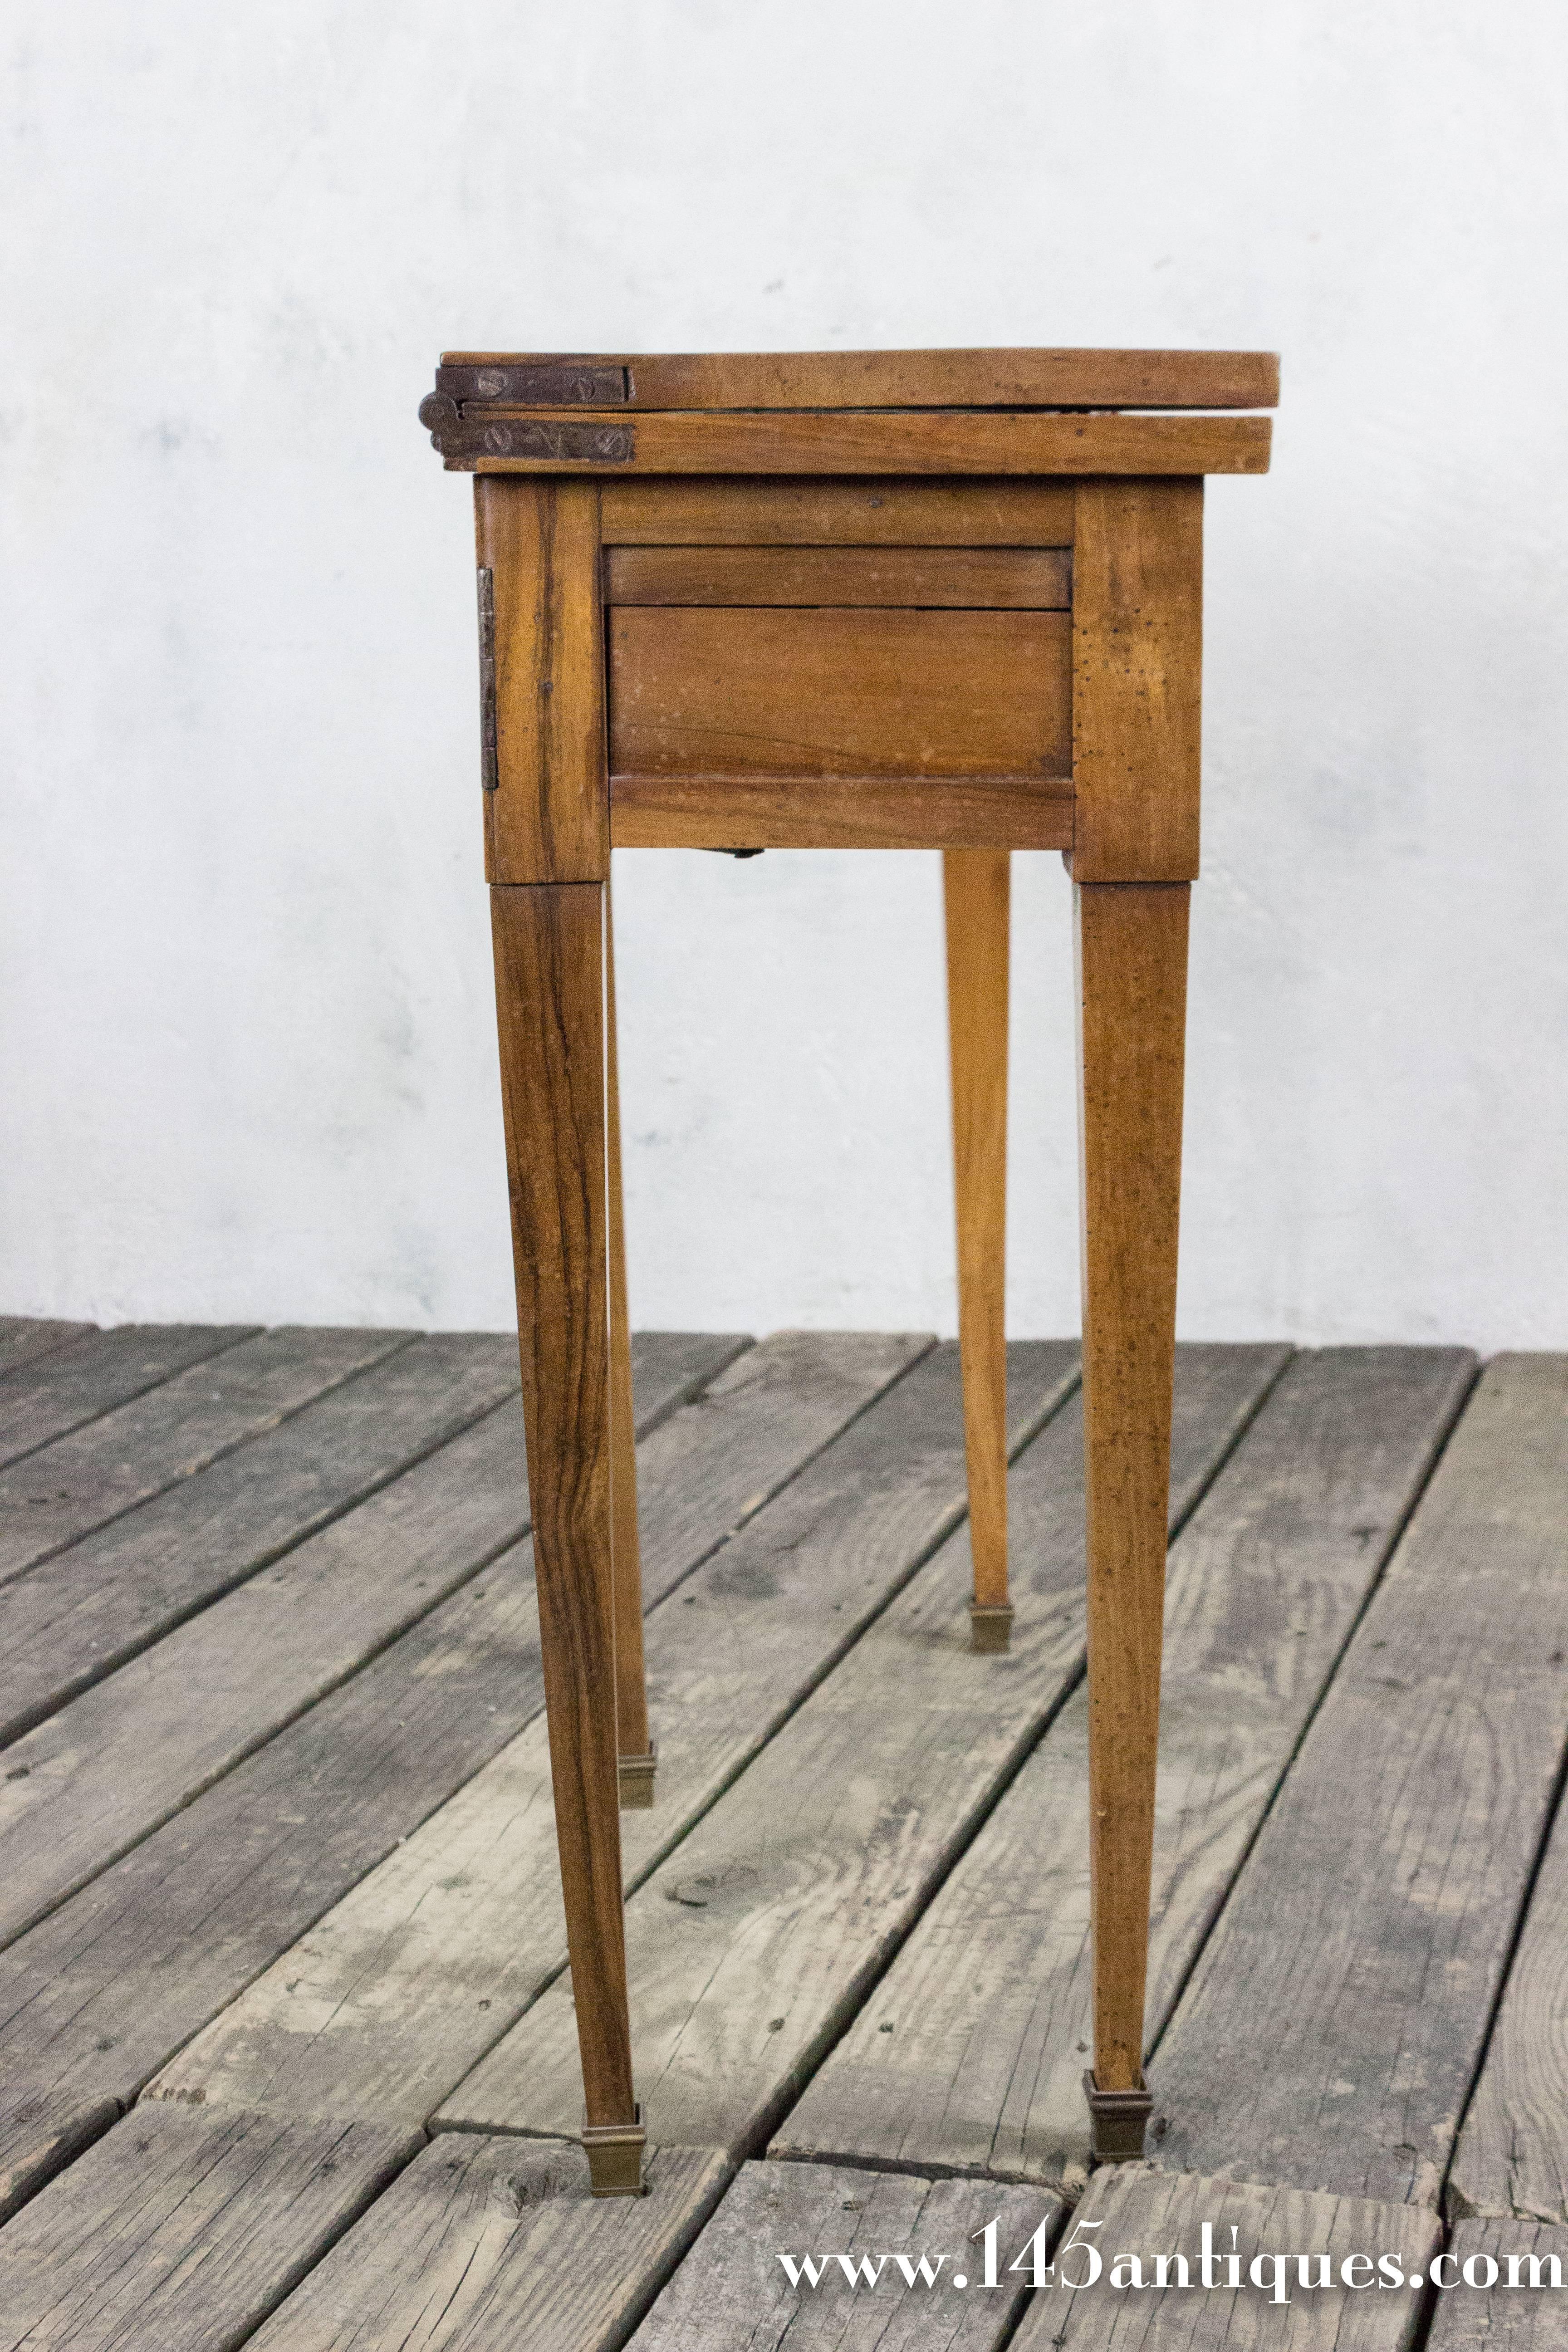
pixel 1003 578
pixel 839 691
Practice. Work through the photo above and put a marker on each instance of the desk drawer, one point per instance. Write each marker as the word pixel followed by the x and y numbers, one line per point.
pixel 839 691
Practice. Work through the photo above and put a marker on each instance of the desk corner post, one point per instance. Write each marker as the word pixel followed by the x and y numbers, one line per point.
pixel 976 886
pixel 1132 944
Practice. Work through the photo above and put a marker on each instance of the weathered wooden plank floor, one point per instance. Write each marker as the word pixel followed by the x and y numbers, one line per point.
pixel 286 2052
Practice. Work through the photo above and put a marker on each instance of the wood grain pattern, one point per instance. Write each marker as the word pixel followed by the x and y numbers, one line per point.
pixel 1008 579
pixel 1331 2031
pixel 492 2244
pixel 760 1937
pixel 975 903
pixel 970 2055
pixel 41 2132
pixel 1131 992
pixel 386 2003
pixel 886 441
pixel 700 692
pixel 1133 2211
pixel 1516 2314
pixel 25 1337
pixel 547 820
pixel 44 1397
pixel 625 1552
pixel 889 511
pixel 550 1010
pixel 96 1606
pixel 99 1994
pixel 1512 2156
pixel 176 2233
pixel 943 379
pixel 782 812
pixel 168 1433
pixel 120 1758
pixel 732 2290
pixel 1137 680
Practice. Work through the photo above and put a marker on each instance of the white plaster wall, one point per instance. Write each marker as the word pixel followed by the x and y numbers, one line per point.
pixel 246 1046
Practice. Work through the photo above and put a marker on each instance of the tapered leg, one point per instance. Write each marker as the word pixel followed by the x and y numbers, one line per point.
pixel 1131 961
pixel 549 958
pixel 637 1750
pixel 975 886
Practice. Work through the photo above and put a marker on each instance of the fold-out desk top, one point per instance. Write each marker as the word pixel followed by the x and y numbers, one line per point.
pixel 942 412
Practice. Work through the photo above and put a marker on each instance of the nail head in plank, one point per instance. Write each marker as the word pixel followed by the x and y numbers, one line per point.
pixel 179 2232
pixel 1331 2032
pixel 732 2289
pixel 170 1433
pixel 1513 2315
pixel 491 2244
pixel 1000 579
pixel 1130 2211
pixel 948 378
pixel 970 2055
pixel 886 512
pixel 788 1899
pixel 388 2001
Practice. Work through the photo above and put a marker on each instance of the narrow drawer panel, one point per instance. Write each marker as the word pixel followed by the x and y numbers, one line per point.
pixel 1015 579
pixel 830 692
pixel 736 512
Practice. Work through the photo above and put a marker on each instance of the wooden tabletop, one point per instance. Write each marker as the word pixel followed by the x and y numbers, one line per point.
pixel 938 379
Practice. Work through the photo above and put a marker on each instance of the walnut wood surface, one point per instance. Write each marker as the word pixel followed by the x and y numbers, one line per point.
pixel 707 691
pixel 1007 579
pixel 975 899
pixel 881 512
pixel 549 959
pixel 631 1694
pixel 841 812
pixel 1131 986
pixel 942 379
pixel 868 441
pixel 546 821
pixel 1137 655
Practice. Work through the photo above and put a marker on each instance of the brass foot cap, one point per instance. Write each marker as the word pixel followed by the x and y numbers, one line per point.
pixel 637 1780
pixel 1115 2120
pixel 614 2156
pixel 990 1630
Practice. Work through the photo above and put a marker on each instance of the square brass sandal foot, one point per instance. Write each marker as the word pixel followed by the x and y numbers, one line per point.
pixel 990 1630
pixel 614 2156
pixel 1115 2120
pixel 636 1782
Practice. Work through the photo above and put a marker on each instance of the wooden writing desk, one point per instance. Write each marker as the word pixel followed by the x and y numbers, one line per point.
pixel 907 600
